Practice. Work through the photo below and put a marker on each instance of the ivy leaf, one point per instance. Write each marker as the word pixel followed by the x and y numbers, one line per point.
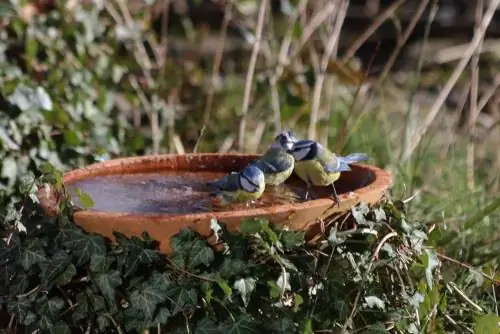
pixel 487 323
pixel 50 308
pixel 243 324
pixel 233 267
pixel 19 308
pixel 19 283
pixel 207 326
pixel 85 199
pixel 107 283
pixel 374 301
pixel 292 239
pixel 160 280
pixel 283 325
pixel 214 226
pixel 103 322
pixel 147 299
pixel 67 275
pixel 10 251
pixel 60 328
pixel 245 286
pixel 182 298
pixel 34 254
pixel 181 242
pixel 83 245
pixel 58 263
pixel 200 253
pixel 100 263
pixel 222 283
pixel 250 226
pixel 136 253
pixel 82 308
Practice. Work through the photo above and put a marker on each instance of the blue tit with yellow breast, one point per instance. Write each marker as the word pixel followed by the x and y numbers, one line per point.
pixel 249 184
pixel 277 163
pixel 316 165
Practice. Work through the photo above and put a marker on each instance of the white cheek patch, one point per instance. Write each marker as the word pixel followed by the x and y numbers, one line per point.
pixel 246 185
pixel 301 153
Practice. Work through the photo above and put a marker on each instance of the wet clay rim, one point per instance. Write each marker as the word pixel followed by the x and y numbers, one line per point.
pixel 142 164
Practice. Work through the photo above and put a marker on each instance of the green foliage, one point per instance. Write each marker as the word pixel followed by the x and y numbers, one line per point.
pixel 369 272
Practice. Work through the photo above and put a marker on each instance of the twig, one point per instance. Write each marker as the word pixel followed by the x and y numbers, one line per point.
pixel 282 59
pixel 250 73
pixel 217 62
pixel 473 101
pixel 467 266
pixel 402 41
pixel 465 297
pixel 325 59
pixel 438 103
pixel 386 14
pixel 189 273
pixel 32 291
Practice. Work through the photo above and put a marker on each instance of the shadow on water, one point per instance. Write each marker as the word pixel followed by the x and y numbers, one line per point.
pixel 186 192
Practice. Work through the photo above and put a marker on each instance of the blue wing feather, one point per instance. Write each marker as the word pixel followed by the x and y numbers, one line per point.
pixel 274 162
pixel 354 158
pixel 227 183
pixel 341 164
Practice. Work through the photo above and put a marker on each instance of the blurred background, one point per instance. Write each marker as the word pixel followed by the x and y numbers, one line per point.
pixel 412 83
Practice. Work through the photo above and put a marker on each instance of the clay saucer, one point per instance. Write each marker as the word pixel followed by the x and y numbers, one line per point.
pixel 137 194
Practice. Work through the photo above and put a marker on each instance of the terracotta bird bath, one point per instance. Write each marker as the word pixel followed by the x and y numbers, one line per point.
pixel 163 194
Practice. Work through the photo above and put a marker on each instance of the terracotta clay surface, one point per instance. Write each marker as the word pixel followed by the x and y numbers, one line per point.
pixel 364 183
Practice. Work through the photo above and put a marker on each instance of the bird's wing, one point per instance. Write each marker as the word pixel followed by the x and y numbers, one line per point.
pixel 332 163
pixel 274 162
pixel 227 183
pixel 354 158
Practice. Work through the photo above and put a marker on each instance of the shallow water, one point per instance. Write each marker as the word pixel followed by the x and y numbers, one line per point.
pixel 184 192
pixel 170 193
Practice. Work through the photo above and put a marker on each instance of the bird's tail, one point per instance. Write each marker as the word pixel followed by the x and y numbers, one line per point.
pixel 354 158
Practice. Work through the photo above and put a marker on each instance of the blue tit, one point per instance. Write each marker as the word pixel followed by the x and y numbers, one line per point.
pixel 277 163
pixel 318 166
pixel 249 184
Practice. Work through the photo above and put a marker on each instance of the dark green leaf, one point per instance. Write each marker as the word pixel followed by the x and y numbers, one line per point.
pixel 182 297
pixel 243 324
pixel 107 283
pixel 147 299
pixel 100 263
pixel 83 245
pixel 292 239
pixel 283 325
pixel 182 240
pixel 60 328
pixel 20 308
pixel 160 280
pixel 200 253
pixel 19 283
pixel 233 267
pixel 34 254
pixel 82 308
pixel 103 322
pixel 207 326
pixel 67 275
pixel 58 263
pixel 250 226
pixel 51 308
